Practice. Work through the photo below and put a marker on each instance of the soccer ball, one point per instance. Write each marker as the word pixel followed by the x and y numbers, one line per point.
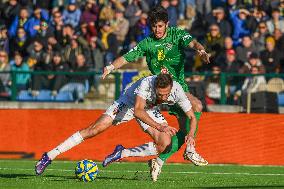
pixel 86 170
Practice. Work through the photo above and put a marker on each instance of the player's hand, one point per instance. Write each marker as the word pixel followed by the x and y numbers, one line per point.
pixel 168 130
pixel 204 56
pixel 107 70
pixel 189 140
pixel 105 73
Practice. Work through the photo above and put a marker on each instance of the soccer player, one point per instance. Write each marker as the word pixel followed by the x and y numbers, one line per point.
pixel 164 51
pixel 139 101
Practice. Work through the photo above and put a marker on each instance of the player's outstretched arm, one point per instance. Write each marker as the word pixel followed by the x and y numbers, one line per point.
pixel 200 50
pixel 117 63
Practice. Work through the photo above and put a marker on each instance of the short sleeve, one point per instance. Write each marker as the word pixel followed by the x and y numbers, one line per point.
pixel 184 37
pixel 182 99
pixel 143 90
pixel 137 52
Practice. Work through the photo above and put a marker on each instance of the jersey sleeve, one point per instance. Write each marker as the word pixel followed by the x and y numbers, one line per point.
pixel 137 52
pixel 143 89
pixel 182 99
pixel 184 37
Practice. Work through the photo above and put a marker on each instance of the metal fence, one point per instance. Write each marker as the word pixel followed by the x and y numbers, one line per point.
pixel 219 88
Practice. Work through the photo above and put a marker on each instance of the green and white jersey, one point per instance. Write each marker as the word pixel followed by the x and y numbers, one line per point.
pixel 164 55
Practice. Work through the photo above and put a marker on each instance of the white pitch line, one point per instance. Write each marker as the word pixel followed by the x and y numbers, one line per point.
pixel 169 172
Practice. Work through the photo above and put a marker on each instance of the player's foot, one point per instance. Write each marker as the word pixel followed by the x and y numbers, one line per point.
pixel 195 158
pixel 155 169
pixel 114 156
pixel 42 164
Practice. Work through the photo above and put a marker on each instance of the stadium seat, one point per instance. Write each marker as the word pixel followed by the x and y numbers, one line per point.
pixel 44 95
pixel 64 96
pixel 25 95
pixel 281 99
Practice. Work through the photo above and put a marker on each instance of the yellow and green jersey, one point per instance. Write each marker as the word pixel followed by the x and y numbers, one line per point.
pixel 164 55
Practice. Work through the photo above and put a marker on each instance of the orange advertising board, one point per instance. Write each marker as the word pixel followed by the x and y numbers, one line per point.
pixel 256 139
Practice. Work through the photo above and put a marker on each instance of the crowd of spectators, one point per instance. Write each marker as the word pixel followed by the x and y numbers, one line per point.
pixel 86 35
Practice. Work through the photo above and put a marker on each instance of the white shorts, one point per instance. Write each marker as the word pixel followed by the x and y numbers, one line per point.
pixel 120 112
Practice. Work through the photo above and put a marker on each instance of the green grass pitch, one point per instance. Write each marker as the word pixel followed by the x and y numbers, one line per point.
pixel 60 175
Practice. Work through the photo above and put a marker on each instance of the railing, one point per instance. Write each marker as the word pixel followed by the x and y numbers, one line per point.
pixel 115 79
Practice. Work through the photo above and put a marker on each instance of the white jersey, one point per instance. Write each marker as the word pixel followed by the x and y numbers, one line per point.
pixel 145 89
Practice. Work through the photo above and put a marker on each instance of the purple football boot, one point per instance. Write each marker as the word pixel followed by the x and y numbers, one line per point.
pixel 115 156
pixel 42 164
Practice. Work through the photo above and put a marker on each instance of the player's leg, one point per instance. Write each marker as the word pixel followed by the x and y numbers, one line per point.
pixel 114 114
pixel 161 141
pixel 184 124
pixel 100 125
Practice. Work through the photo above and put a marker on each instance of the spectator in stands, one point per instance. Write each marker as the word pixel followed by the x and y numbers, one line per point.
pixel 44 32
pixel 259 36
pixel 78 45
pixel 37 55
pixel 276 22
pixel 238 18
pixel 50 81
pixel 270 57
pixel 76 84
pixel 67 33
pixel 33 23
pixel 9 11
pixel 72 14
pixel 252 61
pixel 19 43
pixel 18 64
pixel 197 87
pixel 228 45
pixel 87 31
pixel 109 41
pixel 231 6
pixel 203 6
pixel 58 80
pixel 246 49
pixel 252 83
pixel 279 45
pixel 142 28
pixel 213 85
pixel 281 8
pixel 231 65
pixel 134 10
pixel 97 60
pixel 218 17
pixel 57 24
pixel 120 26
pixel 279 39
pixel 90 13
pixel 5 80
pixel 19 21
pixel 4 40
pixel 171 7
pixel 214 42
pixel 51 41
pixel 108 10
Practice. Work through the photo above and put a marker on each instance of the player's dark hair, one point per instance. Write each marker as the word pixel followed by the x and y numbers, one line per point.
pixel 163 81
pixel 158 14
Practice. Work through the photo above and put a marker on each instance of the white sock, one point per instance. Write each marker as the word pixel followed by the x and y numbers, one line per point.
pixel 69 143
pixel 190 148
pixel 147 149
pixel 159 161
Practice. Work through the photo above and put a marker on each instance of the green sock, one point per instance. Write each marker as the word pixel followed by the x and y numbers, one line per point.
pixel 179 138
